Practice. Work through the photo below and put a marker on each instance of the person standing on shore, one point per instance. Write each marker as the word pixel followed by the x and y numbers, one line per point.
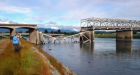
pixel 16 43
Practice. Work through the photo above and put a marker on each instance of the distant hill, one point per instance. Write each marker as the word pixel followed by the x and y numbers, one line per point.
pixel 49 30
pixel 52 27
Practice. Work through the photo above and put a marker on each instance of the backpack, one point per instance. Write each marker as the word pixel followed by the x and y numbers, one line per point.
pixel 15 40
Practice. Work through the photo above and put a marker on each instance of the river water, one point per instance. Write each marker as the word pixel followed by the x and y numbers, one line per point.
pixel 105 57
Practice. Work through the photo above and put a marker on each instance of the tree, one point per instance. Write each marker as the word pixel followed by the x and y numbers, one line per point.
pixel 46 31
pixel 59 31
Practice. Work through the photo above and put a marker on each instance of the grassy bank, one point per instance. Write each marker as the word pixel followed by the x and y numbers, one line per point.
pixel 26 62
pixel 29 61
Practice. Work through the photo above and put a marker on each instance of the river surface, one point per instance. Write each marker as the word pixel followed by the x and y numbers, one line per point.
pixel 105 57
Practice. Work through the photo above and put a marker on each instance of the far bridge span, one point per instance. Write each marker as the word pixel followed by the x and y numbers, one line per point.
pixel 124 28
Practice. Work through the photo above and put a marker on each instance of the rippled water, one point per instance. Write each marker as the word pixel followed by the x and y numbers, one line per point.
pixel 105 57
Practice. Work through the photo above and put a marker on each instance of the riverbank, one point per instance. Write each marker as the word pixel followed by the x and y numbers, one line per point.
pixel 31 60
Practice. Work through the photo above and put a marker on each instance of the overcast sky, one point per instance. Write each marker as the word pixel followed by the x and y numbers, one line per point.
pixel 67 12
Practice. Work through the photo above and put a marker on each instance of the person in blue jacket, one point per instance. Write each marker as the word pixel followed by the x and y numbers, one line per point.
pixel 16 43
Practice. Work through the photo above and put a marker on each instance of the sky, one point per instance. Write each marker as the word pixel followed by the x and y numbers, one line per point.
pixel 67 12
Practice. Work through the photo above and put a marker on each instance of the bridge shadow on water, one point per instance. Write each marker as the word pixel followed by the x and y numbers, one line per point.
pixel 122 47
pixel 128 49
pixel 89 48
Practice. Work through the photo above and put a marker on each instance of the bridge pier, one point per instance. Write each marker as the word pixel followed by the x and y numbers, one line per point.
pixel 87 37
pixel 12 32
pixel 33 36
pixel 39 37
pixel 124 35
pixel 38 41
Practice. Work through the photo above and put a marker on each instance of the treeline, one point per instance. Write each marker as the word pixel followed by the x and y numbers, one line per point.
pixel 113 35
pixel 103 35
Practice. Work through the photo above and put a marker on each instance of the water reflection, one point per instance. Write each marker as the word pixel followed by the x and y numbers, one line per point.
pixel 124 47
pixel 87 48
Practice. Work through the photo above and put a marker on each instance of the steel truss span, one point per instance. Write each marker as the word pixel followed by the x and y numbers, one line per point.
pixel 110 24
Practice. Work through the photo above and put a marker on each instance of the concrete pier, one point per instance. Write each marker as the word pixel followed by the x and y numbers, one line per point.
pixel 33 36
pixel 12 32
pixel 124 35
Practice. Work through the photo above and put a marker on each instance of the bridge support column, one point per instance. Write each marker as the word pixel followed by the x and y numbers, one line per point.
pixel 33 36
pixel 12 32
pixel 39 37
pixel 125 35
pixel 38 41
pixel 87 37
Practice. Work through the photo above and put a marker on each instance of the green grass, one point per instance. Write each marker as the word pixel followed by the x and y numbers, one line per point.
pixel 136 36
pixel 113 35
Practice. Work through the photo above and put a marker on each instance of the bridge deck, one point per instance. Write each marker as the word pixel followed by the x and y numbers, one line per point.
pixel 18 25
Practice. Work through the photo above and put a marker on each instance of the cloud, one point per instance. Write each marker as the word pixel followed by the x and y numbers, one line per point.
pixel 68 12
pixel 129 9
pixel 4 7
pixel 100 8
pixel 75 10
pixel 76 15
